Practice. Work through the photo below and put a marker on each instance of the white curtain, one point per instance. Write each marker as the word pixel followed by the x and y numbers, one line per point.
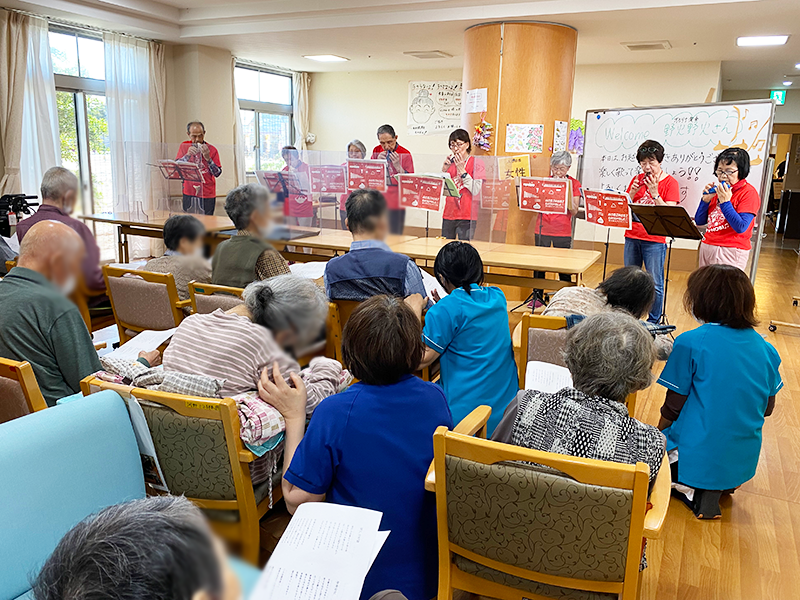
pixel 239 170
pixel 13 57
pixel 300 109
pixel 128 108
pixel 41 148
pixel 159 187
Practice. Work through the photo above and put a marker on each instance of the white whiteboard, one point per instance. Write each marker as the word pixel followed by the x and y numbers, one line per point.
pixel 692 136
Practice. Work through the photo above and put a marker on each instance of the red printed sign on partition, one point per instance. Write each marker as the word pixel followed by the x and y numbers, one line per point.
pixel 610 209
pixel 420 192
pixel 496 193
pixel 330 179
pixel 366 174
pixel 544 195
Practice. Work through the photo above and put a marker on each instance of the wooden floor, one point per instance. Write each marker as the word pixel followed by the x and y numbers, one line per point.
pixel 752 552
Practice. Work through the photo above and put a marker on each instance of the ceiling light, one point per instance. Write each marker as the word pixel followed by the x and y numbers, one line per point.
pixel 787 83
pixel 326 58
pixel 797 66
pixel 762 40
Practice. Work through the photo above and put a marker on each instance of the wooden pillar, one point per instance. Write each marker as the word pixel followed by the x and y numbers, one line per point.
pixel 528 70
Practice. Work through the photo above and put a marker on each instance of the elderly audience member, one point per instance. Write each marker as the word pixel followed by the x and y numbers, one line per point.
pixel 370 268
pixel 183 237
pixel 247 257
pixel 355 150
pixel 609 356
pixel 59 195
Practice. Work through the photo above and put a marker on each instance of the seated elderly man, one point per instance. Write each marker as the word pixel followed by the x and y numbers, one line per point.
pixel 247 257
pixel 370 268
pixel 59 194
pixel 609 355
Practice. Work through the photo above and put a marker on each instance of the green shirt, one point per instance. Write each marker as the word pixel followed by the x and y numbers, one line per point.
pixel 39 325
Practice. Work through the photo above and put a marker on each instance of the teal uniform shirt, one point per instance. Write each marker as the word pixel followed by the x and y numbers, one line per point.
pixel 728 376
pixel 470 331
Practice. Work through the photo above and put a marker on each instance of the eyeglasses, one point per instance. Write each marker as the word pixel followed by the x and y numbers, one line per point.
pixel 457 143
pixel 649 150
pixel 726 173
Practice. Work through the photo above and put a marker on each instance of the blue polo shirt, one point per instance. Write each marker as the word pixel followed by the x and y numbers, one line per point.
pixel 470 331
pixel 728 376
pixel 371 447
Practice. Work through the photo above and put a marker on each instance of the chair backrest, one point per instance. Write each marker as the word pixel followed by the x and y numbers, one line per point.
pixel 339 312
pixel 206 298
pixel 58 466
pixel 144 301
pixel 578 527
pixel 19 391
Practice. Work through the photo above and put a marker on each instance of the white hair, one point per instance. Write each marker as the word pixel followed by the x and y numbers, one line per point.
pixel 57 181
pixel 562 157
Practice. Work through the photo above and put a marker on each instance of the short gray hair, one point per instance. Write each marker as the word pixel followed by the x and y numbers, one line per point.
pixel 288 302
pixel 241 202
pixel 610 355
pixel 358 144
pixel 562 157
pixel 56 182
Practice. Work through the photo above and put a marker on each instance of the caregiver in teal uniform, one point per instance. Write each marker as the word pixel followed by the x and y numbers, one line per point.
pixel 721 381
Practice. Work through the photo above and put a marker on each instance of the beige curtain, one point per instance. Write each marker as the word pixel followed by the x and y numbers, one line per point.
pixel 158 133
pixel 13 63
pixel 239 169
pixel 300 82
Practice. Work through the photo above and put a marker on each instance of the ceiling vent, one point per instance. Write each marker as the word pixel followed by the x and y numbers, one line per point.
pixel 428 54
pixel 647 46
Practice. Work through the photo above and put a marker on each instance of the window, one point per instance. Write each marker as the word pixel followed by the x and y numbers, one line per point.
pixel 265 105
pixel 77 56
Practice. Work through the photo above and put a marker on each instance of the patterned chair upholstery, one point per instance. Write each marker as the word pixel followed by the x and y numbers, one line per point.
pixel 206 297
pixel 12 400
pixel 19 392
pixel 547 345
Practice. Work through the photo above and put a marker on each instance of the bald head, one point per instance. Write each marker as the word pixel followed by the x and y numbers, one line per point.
pixel 54 250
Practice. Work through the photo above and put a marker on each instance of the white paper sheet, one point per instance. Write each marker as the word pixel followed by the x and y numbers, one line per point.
pixel 546 377
pixel 309 270
pixel 143 342
pixel 475 100
pixel 431 284
pixel 324 554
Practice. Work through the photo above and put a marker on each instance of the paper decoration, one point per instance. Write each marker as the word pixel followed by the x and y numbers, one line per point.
pixel 610 209
pixel 544 195
pixel 418 191
pixel 328 179
pixel 366 174
pixel 483 131
pixel 511 167
pixel 475 100
pixel 560 135
pixel 433 107
pixel 577 129
pixel 524 138
pixel 496 194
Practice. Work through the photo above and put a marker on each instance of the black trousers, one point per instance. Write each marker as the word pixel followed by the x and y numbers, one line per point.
pixel 397 220
pixel 207 205
pixel 556 241
pixel 461 229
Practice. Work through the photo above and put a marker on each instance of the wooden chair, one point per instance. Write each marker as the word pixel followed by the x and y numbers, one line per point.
pixel 216 479
pixel 19 391
pixel 206 298
pixel 543 339
pixel 146 301
pixel 504 527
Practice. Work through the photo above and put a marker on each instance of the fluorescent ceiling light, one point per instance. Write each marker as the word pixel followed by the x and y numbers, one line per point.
pixel 762 40
pixel 787 83
pixel 326 58
pixel 797 66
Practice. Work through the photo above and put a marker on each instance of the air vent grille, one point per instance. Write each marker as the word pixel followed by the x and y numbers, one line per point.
pixel 428 54
pixel 647 46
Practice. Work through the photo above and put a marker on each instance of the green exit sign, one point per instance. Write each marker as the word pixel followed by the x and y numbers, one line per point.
pixel 779 96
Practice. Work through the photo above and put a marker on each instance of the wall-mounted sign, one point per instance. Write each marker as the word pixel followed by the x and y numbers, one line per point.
pixel 779 96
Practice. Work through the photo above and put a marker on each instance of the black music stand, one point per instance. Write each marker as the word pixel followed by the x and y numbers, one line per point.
pixel 670 221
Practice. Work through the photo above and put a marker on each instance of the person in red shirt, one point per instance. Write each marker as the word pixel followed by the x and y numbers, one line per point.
pixel 398 161
pixel 460 214
pixel 729 208
pixel 652 186
pixel 298 208
pixel 356 150
pixel 196 195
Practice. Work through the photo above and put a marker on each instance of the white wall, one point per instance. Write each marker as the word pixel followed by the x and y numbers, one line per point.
pixel 787 113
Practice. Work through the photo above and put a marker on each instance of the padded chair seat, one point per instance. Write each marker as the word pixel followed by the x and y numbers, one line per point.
pixel 261 492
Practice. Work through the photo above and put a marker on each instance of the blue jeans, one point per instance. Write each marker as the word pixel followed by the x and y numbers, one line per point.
pixel 652 254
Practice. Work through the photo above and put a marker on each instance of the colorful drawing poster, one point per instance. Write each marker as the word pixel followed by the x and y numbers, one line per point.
pixel 366 174
pixel 610 209
pixel 560 136
pixel 433 107
pixel 524 138
pixel 328 179
pixel 544 195
pixel 511 167
pixel 496 194
pixel 418 191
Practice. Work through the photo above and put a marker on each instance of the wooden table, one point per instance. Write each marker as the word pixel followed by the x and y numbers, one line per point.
pixel 336 241
pixel 152 225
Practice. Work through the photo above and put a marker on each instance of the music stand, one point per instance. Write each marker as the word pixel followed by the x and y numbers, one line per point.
pixel 670 221
pixel 183 171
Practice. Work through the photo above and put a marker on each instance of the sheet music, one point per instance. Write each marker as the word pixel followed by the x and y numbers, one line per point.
pixel 430 283
pixel 546 377
pixel 309 270
pixel 143 342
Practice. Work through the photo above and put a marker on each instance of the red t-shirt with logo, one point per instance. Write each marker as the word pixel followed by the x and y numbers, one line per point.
pixel 300 205
pixel 745 199
pixel 406 166
pixel 560 225
pixel 464 207
pixel 670 192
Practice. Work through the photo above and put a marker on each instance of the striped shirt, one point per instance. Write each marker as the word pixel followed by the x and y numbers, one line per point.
pixel 231 347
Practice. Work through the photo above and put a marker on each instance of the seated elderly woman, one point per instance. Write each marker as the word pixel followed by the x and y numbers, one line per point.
pixel 247 257
pixel 609 355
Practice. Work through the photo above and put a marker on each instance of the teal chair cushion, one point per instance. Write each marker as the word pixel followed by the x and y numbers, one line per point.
pixel 247 573
pixel 57 467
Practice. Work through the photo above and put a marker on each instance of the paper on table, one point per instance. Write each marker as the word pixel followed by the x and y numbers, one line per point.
pixel 546 377
pixel 324 554
pixel 309 270
pixel 143 342
pixel 430 283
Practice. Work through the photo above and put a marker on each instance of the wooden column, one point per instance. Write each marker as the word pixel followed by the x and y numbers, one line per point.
pixel 528 70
